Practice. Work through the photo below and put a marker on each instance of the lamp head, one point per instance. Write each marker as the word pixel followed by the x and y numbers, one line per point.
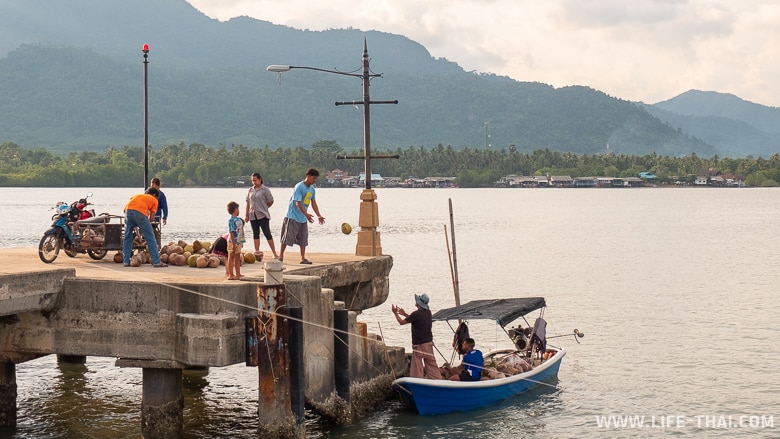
pixel 278 68
pixel 145 48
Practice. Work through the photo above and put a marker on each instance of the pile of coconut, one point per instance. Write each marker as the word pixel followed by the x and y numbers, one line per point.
pixel 194 255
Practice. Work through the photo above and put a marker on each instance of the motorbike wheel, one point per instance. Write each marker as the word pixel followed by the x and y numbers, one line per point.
pixel 97 254
pixel 69 249
pixel 49 248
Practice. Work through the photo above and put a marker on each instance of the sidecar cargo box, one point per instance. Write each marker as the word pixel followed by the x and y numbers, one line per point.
pixel 113 236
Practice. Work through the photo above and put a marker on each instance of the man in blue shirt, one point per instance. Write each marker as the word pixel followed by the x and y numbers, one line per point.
pixel 162 203
pixel 472 363
pixel 295 225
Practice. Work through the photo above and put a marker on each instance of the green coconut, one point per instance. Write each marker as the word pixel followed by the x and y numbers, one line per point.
pixel 192 261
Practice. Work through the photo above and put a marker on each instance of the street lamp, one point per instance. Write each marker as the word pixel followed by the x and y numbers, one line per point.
pixel 145 50
pixel 368 237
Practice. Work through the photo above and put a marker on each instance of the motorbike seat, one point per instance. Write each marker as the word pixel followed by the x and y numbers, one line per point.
pixel 95 220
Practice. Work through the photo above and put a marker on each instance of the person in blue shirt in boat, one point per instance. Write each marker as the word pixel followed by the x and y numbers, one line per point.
pixel 423 360
pixel 471 365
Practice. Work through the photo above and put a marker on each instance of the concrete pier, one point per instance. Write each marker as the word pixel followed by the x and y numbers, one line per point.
pixel 166 320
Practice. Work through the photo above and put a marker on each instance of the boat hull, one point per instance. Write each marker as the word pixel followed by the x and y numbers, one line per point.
pixel 436 397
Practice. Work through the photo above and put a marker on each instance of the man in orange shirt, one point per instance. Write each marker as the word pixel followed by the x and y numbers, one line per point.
pixel 138 212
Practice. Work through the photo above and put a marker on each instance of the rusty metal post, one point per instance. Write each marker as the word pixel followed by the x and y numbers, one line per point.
pixel 274 409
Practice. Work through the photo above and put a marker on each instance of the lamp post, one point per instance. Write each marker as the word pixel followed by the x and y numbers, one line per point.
pixel 369 243
pixel 145 50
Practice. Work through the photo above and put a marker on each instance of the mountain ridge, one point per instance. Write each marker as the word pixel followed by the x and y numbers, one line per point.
pixel 207 84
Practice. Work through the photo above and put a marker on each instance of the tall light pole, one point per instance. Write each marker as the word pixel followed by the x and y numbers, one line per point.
pixel 369 243
pixel 145 50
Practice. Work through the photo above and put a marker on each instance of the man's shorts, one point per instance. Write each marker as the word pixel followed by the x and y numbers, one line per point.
pixel 295 233
pixel 234 249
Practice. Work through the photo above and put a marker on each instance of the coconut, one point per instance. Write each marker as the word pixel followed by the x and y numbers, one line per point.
pixel 213 262
pixel 192 260
pixel 202 251
pixel 201 261
pixel 164 258
pixel 177 249
pixel 258 256
pixel 346 228
pixel 206 245
pixel 118 257
pixel 187 255
pixel 249 258
pixel 180 260
pixel 182 244
pixel 196 245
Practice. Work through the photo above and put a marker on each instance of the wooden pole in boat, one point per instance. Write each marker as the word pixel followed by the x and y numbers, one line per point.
pixel 454 260
pixel 449 257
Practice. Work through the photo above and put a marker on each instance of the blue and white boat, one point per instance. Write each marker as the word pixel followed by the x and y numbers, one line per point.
pixel 434 397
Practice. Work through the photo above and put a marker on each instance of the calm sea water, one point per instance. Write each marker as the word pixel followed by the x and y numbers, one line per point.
pixel 675 289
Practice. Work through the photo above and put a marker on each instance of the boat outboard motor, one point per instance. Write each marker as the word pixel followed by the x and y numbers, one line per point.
pixel 519 338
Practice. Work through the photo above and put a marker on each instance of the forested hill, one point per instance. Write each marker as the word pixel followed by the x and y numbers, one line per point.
pixel 71 79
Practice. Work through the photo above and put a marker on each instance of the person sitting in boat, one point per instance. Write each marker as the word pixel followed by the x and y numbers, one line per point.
pixel 471 365
pixel 423 360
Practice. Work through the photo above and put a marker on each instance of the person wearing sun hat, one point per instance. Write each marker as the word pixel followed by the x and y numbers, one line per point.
pixel 423 360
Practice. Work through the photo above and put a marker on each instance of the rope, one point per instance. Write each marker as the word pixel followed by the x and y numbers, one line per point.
pixel 381 334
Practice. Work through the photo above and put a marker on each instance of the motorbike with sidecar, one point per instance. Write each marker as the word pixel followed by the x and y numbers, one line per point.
pixel 77 230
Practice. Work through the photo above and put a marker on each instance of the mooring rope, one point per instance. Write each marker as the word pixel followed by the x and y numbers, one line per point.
pixel 276 314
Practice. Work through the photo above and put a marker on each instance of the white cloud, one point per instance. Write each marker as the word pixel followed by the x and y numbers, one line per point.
pixel 648 50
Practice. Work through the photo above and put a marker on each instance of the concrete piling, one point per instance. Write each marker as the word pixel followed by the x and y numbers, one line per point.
pixel 297 376
pixel 162 408
pixel 274 411
pixel 71 359
pixel 7 394
pixel 341 352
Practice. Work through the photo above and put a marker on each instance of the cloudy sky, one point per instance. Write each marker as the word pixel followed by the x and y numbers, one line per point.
pixel 639 50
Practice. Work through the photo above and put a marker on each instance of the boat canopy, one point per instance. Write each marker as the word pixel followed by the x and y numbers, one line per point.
pixel 503 311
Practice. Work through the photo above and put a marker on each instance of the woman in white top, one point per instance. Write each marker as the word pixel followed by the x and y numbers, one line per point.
pixel 258 200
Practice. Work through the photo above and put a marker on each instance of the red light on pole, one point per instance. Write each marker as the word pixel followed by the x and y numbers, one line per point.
pixel 145 48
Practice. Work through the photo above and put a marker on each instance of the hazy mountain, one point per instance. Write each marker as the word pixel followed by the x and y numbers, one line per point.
pixel 71 77
pixel 734 126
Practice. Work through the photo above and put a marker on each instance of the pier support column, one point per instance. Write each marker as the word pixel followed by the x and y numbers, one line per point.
pixel 7 394
pixel 341 352
pixel 162 406
pixel 274 410
pixel 72 359
pixel 162 409
pixel 297 375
